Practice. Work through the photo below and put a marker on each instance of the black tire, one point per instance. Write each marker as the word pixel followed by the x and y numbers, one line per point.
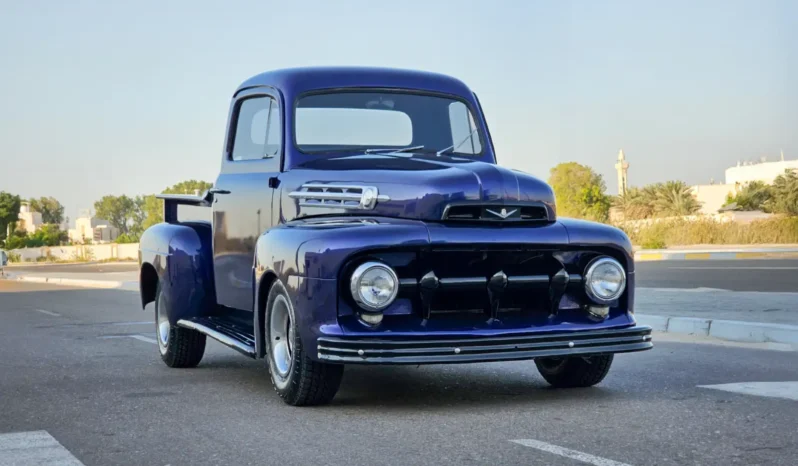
pixel 183 347
pixel 305 382
pixel 574 372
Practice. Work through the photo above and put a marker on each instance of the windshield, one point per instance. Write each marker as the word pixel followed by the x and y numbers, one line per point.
pixel 360 121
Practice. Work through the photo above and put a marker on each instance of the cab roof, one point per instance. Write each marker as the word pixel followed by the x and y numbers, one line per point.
pixel 295 81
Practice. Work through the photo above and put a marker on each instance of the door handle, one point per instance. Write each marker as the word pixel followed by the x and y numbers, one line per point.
pixel 218 191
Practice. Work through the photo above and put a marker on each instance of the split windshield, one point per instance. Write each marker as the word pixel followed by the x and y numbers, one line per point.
pixel 374 121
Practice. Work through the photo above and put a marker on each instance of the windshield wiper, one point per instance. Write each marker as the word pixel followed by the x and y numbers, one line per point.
pixel 400 149
pixel 455 146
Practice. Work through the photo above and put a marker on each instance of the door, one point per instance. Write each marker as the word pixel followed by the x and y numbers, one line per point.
pixel 242 196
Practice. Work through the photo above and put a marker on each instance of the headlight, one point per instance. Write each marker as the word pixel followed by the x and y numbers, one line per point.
pixel 374 286
pixel 605 280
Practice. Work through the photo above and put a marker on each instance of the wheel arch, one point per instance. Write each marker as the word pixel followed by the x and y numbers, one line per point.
pixel 264 284
pixel 148 283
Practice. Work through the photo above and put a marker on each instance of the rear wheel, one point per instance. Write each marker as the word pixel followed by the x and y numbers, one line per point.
pixel 179 347
pixel 574 372
pixel 299 380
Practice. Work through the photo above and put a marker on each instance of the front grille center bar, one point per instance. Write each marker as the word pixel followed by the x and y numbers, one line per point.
pixel 495 286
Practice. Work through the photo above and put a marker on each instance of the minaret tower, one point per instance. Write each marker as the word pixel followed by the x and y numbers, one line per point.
pixel 622 167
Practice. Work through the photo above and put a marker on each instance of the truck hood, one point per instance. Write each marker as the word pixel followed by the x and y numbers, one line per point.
pixel 413 186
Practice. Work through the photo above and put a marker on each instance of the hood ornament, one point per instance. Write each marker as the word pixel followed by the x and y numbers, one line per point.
pixel 503 214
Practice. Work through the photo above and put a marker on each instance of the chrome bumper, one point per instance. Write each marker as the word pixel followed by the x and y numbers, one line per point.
pixel 481 348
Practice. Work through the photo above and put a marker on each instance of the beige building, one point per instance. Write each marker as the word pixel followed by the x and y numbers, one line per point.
pixel 713 196
pixel 93 229
pixel 28 220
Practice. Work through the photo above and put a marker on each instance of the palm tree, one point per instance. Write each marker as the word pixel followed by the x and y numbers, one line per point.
pixel 784 194
pixel 675 199
pixel 633 204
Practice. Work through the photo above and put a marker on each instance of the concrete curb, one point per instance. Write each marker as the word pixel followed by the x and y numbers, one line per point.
pixel 644 255
pixel 730 330
pixel 107 284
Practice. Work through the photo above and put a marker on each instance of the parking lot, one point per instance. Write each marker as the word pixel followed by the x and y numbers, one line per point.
pixel 81 378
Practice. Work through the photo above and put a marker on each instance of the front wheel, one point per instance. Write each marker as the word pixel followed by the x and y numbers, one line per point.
pixel 179 347
pixel 574 372
pixel 299 380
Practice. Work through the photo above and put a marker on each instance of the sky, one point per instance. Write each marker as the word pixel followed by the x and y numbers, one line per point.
pixel 101 97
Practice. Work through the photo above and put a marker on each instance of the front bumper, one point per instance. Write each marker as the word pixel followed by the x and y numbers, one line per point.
pixel 482 348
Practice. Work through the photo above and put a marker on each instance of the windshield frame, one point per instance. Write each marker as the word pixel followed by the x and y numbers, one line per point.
pixel 475 116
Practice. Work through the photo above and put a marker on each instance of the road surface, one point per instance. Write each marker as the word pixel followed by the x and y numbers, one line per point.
pixel 734 275
pixel 80 377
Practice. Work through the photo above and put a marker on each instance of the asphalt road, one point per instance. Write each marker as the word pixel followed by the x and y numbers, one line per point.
pixel 734 275
pixel 82 365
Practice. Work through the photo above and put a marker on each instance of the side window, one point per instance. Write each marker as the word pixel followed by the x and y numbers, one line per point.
pixel 463 134
pixel 258 131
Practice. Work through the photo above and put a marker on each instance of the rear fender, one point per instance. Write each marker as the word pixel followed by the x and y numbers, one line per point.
pixel 178 257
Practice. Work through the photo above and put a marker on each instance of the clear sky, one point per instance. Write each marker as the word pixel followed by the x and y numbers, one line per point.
pixel 100 97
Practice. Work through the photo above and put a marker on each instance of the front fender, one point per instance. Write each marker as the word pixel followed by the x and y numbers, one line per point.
pixel 180 255
pixel 307 255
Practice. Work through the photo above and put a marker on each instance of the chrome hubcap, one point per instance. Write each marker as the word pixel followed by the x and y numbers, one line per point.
pixel 282 336
pixel 162 324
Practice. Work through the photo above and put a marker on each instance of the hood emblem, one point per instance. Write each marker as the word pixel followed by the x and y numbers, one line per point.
pixel 503 214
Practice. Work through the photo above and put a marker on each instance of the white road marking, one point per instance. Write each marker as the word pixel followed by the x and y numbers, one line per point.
pixel 135 337
pixel 734 268
pixel 568 453
pixel 143 338
pixel 700 289
pixel 49 313
pixel 133 323
pixel 786 390
pixel 38 447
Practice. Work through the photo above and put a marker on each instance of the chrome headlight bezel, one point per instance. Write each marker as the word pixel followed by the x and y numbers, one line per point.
pixel 591 269
pixel 354 285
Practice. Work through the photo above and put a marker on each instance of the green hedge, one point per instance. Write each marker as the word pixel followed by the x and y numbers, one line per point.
pixel 680 232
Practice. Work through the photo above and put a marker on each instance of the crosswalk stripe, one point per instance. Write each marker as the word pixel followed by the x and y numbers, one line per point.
pixel 786 390
pixel 37 447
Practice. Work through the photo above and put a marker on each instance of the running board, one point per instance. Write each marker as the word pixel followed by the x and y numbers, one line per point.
pixel 223 331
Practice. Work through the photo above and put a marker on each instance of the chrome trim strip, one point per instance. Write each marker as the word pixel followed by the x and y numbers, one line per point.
pixel 218 336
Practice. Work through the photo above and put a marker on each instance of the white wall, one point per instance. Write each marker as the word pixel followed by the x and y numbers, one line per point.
pixel 712 196
pixel 765 172
pixel 86 252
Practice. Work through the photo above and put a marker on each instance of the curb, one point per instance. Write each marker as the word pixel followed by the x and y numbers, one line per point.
pixel 730 330
pixel 677 255
pixel 71 282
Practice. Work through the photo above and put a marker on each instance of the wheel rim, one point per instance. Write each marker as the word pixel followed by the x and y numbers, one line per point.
pixel 282 336
pixel 552 364
pixel 162 324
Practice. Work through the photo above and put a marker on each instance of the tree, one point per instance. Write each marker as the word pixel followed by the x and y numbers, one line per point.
pixel 46 235
pixel 579 192
pixel 151 208
pixel 52 211
pixel 753 196
pixel 9 211
pixel 784 192
pixel 675 199
pixel 120 211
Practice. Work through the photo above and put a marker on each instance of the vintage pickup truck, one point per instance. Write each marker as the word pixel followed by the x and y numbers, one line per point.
pixel 360 217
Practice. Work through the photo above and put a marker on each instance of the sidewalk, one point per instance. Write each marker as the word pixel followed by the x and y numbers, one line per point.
pixel 719 252
pixel 746 316
pixel 110 280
